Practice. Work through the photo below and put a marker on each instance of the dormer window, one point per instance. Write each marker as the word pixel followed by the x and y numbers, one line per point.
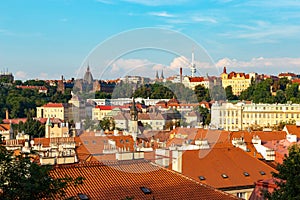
pixel 224 176
pixel 246 174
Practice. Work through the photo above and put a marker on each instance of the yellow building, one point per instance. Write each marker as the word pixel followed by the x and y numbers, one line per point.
pixel 238 81
pixel 53 110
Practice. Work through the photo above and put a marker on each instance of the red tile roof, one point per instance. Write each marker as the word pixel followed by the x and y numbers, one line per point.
pixel 121 179
pixel 196 79
pixel 231 161
pixel 54 105
pixel 263 185
pixel 4 127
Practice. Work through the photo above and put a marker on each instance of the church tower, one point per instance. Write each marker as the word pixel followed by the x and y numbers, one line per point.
pixel 134 117
pixel 48 127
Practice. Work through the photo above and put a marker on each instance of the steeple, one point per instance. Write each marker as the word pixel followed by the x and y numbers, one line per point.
pixel 162 74
pixel 88 77
pixel 156 76
pixel 224 70
pixel 133 111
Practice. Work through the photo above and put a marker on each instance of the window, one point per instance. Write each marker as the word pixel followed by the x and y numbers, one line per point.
pixel 262 173
pixel 146 190
pixel 241 195
pixel 224 176
pixel 202 178
pixel 246 174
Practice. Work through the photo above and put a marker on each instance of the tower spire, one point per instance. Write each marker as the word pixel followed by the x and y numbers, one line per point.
pixel 162 74
pixel 193 66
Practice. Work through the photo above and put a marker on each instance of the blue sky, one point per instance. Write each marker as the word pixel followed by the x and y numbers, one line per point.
pixel 49 38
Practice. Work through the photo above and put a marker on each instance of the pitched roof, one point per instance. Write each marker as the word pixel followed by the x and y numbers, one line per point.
pixel 54 105
pixel 263 185
pixel 4 127
pixel 293 129
pixel 233 162
pixel 121 179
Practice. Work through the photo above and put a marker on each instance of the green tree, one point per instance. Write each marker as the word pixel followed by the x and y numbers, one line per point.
pixel 229 93
pixel 20 178
pixel 202 93
pixel 289 177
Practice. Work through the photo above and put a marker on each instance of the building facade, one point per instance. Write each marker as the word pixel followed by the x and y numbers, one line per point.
pixel 238 81
pixel 241 116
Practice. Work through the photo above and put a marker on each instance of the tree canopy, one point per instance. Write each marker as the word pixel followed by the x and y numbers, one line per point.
pixel 288 176
pixel 21 178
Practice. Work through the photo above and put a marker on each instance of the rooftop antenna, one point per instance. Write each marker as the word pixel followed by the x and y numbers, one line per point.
pixel 193 66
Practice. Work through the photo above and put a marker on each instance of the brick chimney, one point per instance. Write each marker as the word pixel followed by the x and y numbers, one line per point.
pixel 6 114
pixel 180 74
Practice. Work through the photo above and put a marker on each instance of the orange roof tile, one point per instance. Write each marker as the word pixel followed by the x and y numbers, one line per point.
pixel 121 179
pixel 231 161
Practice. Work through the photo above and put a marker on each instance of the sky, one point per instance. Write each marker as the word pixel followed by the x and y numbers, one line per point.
pixel 49 38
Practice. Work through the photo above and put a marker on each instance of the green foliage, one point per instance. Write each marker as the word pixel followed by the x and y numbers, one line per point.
pixel 20 178
pixel 154 91
pixel 217 93
pixel 202 93
pixel 107 124
pixel 20 101
pixel 289 177
pixel 205 116
pixel 229 93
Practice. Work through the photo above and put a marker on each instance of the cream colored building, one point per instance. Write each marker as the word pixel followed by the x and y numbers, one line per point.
pixel 238 81
pixel 241 116
pixel 192 82
pixel 53 110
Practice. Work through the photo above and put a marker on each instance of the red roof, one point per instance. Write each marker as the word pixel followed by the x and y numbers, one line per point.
pixel 263 185
pixel 119 180
pixel 109 107
pixel 54 105
pixel 31 87
pixel 196 79
pixel 287 74
pixel 14 121
pixel 233 162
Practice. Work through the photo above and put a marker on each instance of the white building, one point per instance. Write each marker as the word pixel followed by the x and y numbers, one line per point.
pixel 241 116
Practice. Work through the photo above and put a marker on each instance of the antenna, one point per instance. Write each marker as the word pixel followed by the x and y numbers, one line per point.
pixel 193 66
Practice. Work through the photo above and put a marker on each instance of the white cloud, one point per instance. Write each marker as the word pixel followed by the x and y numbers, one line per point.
pixel 161 14
pixel 125 65
pixel 204 19
pixel 157 2
pixel 261 65
pixel 21 75
pixel 43 76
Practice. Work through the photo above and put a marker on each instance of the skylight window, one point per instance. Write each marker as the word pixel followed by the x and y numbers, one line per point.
pixel 83 196
pixel 146 190
pixel 224 176
pixel 202 178
pixel 262 173
pixel 246 174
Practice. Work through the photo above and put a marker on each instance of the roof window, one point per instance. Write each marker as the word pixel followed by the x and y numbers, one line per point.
pixel 146 190
pixel 202 178
pixel 246 174
pixel 224 176
pixel 262 173
pixel 83 196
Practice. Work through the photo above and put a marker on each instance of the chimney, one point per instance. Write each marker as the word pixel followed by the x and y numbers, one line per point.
pixel 180 74
pixel 6 114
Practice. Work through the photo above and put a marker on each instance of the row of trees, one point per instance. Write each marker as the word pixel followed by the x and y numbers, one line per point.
pixel 22 102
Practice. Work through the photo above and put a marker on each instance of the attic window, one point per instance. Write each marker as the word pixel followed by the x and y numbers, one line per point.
pixel 146 190
pixel 246 174
pixel 85 142
pixel 82 196
pixel 202 178
pixel 224 176
pixel 262 173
